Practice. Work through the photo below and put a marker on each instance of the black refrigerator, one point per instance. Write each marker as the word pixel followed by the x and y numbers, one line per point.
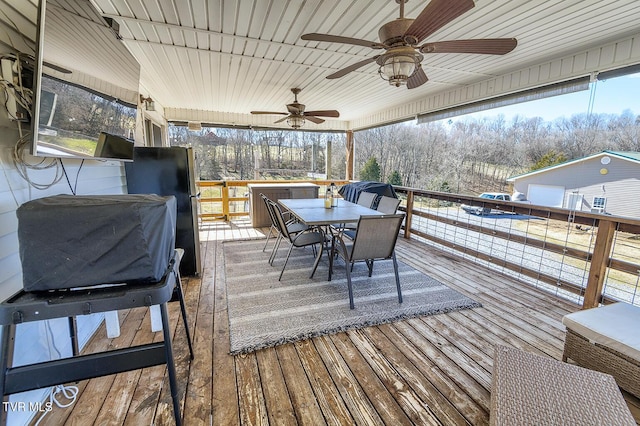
pixel 170 171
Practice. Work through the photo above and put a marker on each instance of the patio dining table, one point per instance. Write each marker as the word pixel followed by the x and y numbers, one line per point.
pixel 312 212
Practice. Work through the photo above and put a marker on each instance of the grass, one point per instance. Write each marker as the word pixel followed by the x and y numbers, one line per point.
pixel 626 247
pixel 81 146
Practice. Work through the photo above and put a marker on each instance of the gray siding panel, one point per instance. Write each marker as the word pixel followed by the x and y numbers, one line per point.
pixel 620 185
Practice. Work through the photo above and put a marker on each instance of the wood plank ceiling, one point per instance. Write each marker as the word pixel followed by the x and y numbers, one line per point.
pixel 216 60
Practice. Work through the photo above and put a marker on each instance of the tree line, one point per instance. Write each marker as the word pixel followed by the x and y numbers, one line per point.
pixel 73 109
pixel 467 155
pixel 474 155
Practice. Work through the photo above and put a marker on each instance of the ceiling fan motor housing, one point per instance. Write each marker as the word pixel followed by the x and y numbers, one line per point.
pixel 393 33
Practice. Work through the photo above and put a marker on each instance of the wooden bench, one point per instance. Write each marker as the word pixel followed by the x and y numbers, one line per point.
pixel 529 389
pixel 606 339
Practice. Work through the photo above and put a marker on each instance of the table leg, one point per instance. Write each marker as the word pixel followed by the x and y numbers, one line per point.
pixel 332 254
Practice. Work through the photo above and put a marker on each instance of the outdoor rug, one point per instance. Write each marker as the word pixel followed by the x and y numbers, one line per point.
pixel 265 312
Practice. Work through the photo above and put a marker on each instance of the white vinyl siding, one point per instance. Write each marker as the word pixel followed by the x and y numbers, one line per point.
pixel 618 182
pixel 34 340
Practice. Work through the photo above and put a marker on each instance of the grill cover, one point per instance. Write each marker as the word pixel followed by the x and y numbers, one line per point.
pixel 351 191
pixel 77 241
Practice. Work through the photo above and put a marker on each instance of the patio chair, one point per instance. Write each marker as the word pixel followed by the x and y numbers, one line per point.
pixel 366 199
pixel 308 237
pixel 293 227
pixel 388 205
pixel 375 239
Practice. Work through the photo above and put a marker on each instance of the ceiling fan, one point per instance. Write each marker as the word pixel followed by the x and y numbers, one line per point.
pixel 400 64
pixel 297 115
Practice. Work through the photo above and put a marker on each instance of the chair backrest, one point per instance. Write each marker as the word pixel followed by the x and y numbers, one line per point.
pixel 269 210
pixel 366 199
pixel 279 219
pixel 388 205
pixel 376 237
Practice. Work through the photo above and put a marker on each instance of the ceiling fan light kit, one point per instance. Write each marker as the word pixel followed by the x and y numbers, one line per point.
pixel 295 121
pixel 401 65
pixel 397 65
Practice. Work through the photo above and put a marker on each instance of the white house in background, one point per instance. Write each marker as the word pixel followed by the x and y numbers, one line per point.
pixel 607 182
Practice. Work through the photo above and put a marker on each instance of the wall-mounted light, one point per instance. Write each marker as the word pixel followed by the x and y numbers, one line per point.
pixel 149 105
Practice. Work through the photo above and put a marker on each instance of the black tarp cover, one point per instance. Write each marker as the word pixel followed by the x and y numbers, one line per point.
pixel 70 241
pixel 351 191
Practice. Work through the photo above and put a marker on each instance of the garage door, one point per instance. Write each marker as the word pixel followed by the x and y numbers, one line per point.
pixel 546 195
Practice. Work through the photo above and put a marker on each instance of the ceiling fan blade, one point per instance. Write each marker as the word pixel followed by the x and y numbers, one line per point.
pixel 323 113
pixel 418 78
pixel 314 119
pixel 487 46
pixel 339 39
pixel 437 14
pixel 352 67
pixel 281 120
pixel 269 112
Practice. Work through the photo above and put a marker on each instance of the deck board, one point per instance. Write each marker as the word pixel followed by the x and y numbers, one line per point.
pixel 429 370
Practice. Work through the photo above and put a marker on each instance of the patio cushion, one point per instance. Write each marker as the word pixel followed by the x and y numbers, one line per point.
pixel 616 326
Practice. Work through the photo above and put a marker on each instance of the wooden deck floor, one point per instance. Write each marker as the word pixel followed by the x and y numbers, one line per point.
pixel 431 370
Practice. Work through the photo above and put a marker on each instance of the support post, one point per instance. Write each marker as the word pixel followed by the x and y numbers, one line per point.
pixel 328 164
pixel 349 157
pixel 599 261
pixel 407 220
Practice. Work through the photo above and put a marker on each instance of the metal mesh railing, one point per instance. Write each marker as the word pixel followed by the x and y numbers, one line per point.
pixel 551 249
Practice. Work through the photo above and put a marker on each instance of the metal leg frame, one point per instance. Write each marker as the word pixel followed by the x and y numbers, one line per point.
pixel 315 264
pixel 180 294
pixel 6 359
pixel 349 266
pixel 50 373
pixel 171 367
pixel 395 269
pixel 351 304
pixel 73 334
pixel 275 248
pixel 268 236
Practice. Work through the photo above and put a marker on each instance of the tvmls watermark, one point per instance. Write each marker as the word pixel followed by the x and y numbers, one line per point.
pixel 41 407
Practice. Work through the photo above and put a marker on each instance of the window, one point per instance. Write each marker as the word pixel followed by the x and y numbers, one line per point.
pixel 599 204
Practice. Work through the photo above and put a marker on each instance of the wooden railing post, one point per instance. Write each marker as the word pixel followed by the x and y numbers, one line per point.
pixel 225 201
pixel 599 261
pixel 407 220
